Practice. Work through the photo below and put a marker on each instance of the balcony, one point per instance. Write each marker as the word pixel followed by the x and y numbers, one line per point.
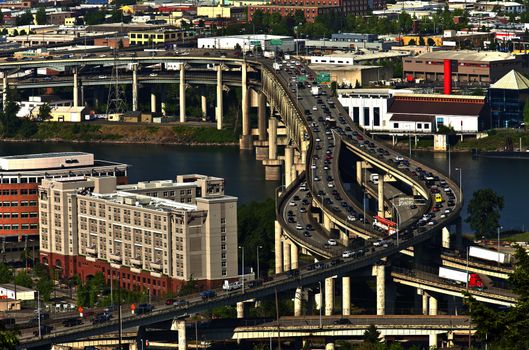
pixel 157 266
pixel 136 262
pixel 91 250
pixel 115 257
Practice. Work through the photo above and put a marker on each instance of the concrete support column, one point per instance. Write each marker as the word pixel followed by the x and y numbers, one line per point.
pixel 75 88
pixel 359 168
pixel 261 116
pixel 294 255
pixel 182 89
pixel 297 302
pixel 164 108
pixel 82 95
pixel 433 306
pixel 286 255
pixel 4 90
pixel 381 210
pixel 329 345
pixel 218 112
pixel 327 223
pixel 245 112
pixel 204 107
pixel 450 339
pixel 329 296
pixel 289 161
pixel 278 247
pixel 134 87
pixel 425 303
pixel 240 309
pixel 346 295
pixel 153 103
pixel 432 341
pixel 304 148
pixel 272 138
pixel 445 234
pixel 181 328
pixel 380 272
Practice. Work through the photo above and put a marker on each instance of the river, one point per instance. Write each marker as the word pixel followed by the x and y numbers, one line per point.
pixel 245 176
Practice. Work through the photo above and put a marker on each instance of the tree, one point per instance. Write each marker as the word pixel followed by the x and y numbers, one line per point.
pixel 526 113
pixel 45 287
pixel 6 275
pixel 333 88
pixel 8 339
pixel 372 335
pixel 430 42
pixel 40 16
pixel 24 19
pixel 412 42
pixel 93 17
pixel 421 41
pixel 24 280
pixel 484 211
pixel 44 112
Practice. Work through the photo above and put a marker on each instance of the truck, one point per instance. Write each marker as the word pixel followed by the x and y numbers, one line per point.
pixel 227 286
pixel 374 178
pixel 172 65
pixel 206 294
pixel 489 255
pixel 276 66
pixel 315 90
pixel 462 277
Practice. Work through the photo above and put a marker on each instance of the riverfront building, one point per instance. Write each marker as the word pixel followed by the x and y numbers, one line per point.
pixel 153 235
pixel 20 176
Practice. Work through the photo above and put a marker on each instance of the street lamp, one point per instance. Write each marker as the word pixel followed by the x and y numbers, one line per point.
pixel 321 303
pixel 258 274
pixel 499 228
pixel 460 183
pixel 467 266
pixel 242 267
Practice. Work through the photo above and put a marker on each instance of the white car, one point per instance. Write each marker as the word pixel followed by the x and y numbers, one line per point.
pixel 102 77
pixel 348 254
pixel 292 204
pixel 318 139
pixel 299 227
pixel 315 108
pixel 153 75
pixel 379 243
pixel 313 166
pixel 316 178
pixel 351 218
pixel 399 158
pixel 330 184
pixel 332 242
pixel 302 210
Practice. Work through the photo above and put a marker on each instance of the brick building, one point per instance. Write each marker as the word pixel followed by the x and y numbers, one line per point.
pixel 153 235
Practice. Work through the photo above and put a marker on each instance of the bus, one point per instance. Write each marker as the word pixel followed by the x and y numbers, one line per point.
pixel 386 225
pixel 438 198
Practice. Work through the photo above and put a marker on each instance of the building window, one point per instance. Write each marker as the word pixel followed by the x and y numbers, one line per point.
pixel 395 125
pixel 419 126
pixel 366 116
pixel 376 116
pixel 356 115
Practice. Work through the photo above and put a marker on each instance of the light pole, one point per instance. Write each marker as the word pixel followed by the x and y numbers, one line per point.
pixel 242 267
pixel 321 303
pixel 449 163
pixel 460 183
pixel 398 218
pixel 38 313
pixel 499 231
pixel 258 274
pixel 467 267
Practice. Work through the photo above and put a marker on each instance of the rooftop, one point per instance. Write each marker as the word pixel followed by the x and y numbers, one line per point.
pixel 423 104
pixel 512 81
pixel 45 155
pixel 467 55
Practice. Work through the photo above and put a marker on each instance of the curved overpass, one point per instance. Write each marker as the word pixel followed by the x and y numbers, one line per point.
pixel 302 136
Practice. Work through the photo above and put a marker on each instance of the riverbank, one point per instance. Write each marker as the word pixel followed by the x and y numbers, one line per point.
pixel 128 133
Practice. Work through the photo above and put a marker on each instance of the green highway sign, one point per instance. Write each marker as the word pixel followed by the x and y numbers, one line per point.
pixel 302 78
pixel 323 78
pixel 255 42
pixel 276 42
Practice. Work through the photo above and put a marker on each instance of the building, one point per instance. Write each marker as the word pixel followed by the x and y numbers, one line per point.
pixel 507 98
pixel 466 67
pixel 13 292
pixel 30 108
pixel 249 42
pixel 71 114
pixel 112 42
pixel 19 179
pixel 311 8
pixel 236 13
pixel 505 7
pixel 401 111
pixel 353 75
pixel 356 58
pixel 153 235
pixel 157 36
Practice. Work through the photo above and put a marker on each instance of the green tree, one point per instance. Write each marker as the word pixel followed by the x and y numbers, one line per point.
pixel 526 113
pixel 421 41
pixel 189 287
pixel 45 287
pixel 24 280
pixel 333 88
pixel 430 42
pixel 93 17
pixel 372 335
pixel 8 339
pixel 40 16
pixel 412 42
pixel 44 112
pixel 24 19
pixel 484 211
pixel 6 275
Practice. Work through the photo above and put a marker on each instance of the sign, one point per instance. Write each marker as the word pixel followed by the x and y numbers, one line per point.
pixel 255 42
pixel 323 78
pixel 132 308
pixel 81 311
pixel 301 78
pixel 276 42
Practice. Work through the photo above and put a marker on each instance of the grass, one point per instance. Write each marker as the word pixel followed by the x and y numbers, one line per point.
pixel 203 134
pixel 518 237
pixel 497 140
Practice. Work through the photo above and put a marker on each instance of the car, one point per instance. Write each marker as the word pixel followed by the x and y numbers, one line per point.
pixel 309 227
pixel 316 178
pixel 181 303
pixel 351 218
pixel 206 294
pixel 348 254
pixel 102 317
pixel 103 77
pixel 47 78
pixel 302 210
pixel 307 234
pixel 71 322
pixel 293 273
pixel 315 108
pixel 379 243
pixel 153 74
pixel 299 227
pixel 342 321
pixel 332 242
pixel 293 204
pixel 313 166
pixel 44 329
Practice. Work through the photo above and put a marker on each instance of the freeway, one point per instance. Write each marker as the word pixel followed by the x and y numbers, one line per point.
pixel 320 186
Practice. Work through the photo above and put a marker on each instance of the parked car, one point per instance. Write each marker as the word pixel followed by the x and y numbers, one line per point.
pixel 143 309
pixel 206 294
pixel 71 322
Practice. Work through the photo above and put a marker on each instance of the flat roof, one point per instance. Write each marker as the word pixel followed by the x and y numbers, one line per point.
pixel 45 155
pixel 467 55
pixel 338 67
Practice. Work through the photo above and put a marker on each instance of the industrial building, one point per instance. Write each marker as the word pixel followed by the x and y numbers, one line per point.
pixel 249 42
pixel 20 176
pixel 507 98
pixel 465 67
pixel 151 235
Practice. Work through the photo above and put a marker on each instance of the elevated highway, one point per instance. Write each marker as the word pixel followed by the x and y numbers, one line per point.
pixel 480 267
pixel 311 139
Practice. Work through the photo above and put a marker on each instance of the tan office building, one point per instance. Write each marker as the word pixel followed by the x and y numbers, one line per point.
pixel 153 235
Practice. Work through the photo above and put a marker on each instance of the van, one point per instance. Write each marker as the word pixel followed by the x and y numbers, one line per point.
pixel 374 178
pixel 438 198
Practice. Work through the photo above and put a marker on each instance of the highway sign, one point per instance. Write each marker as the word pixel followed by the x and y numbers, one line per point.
pixel 276 42
pixel 301 78
pixel 255 42
pixel 323 78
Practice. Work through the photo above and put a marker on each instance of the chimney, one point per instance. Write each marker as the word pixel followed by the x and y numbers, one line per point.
pixel 447 73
